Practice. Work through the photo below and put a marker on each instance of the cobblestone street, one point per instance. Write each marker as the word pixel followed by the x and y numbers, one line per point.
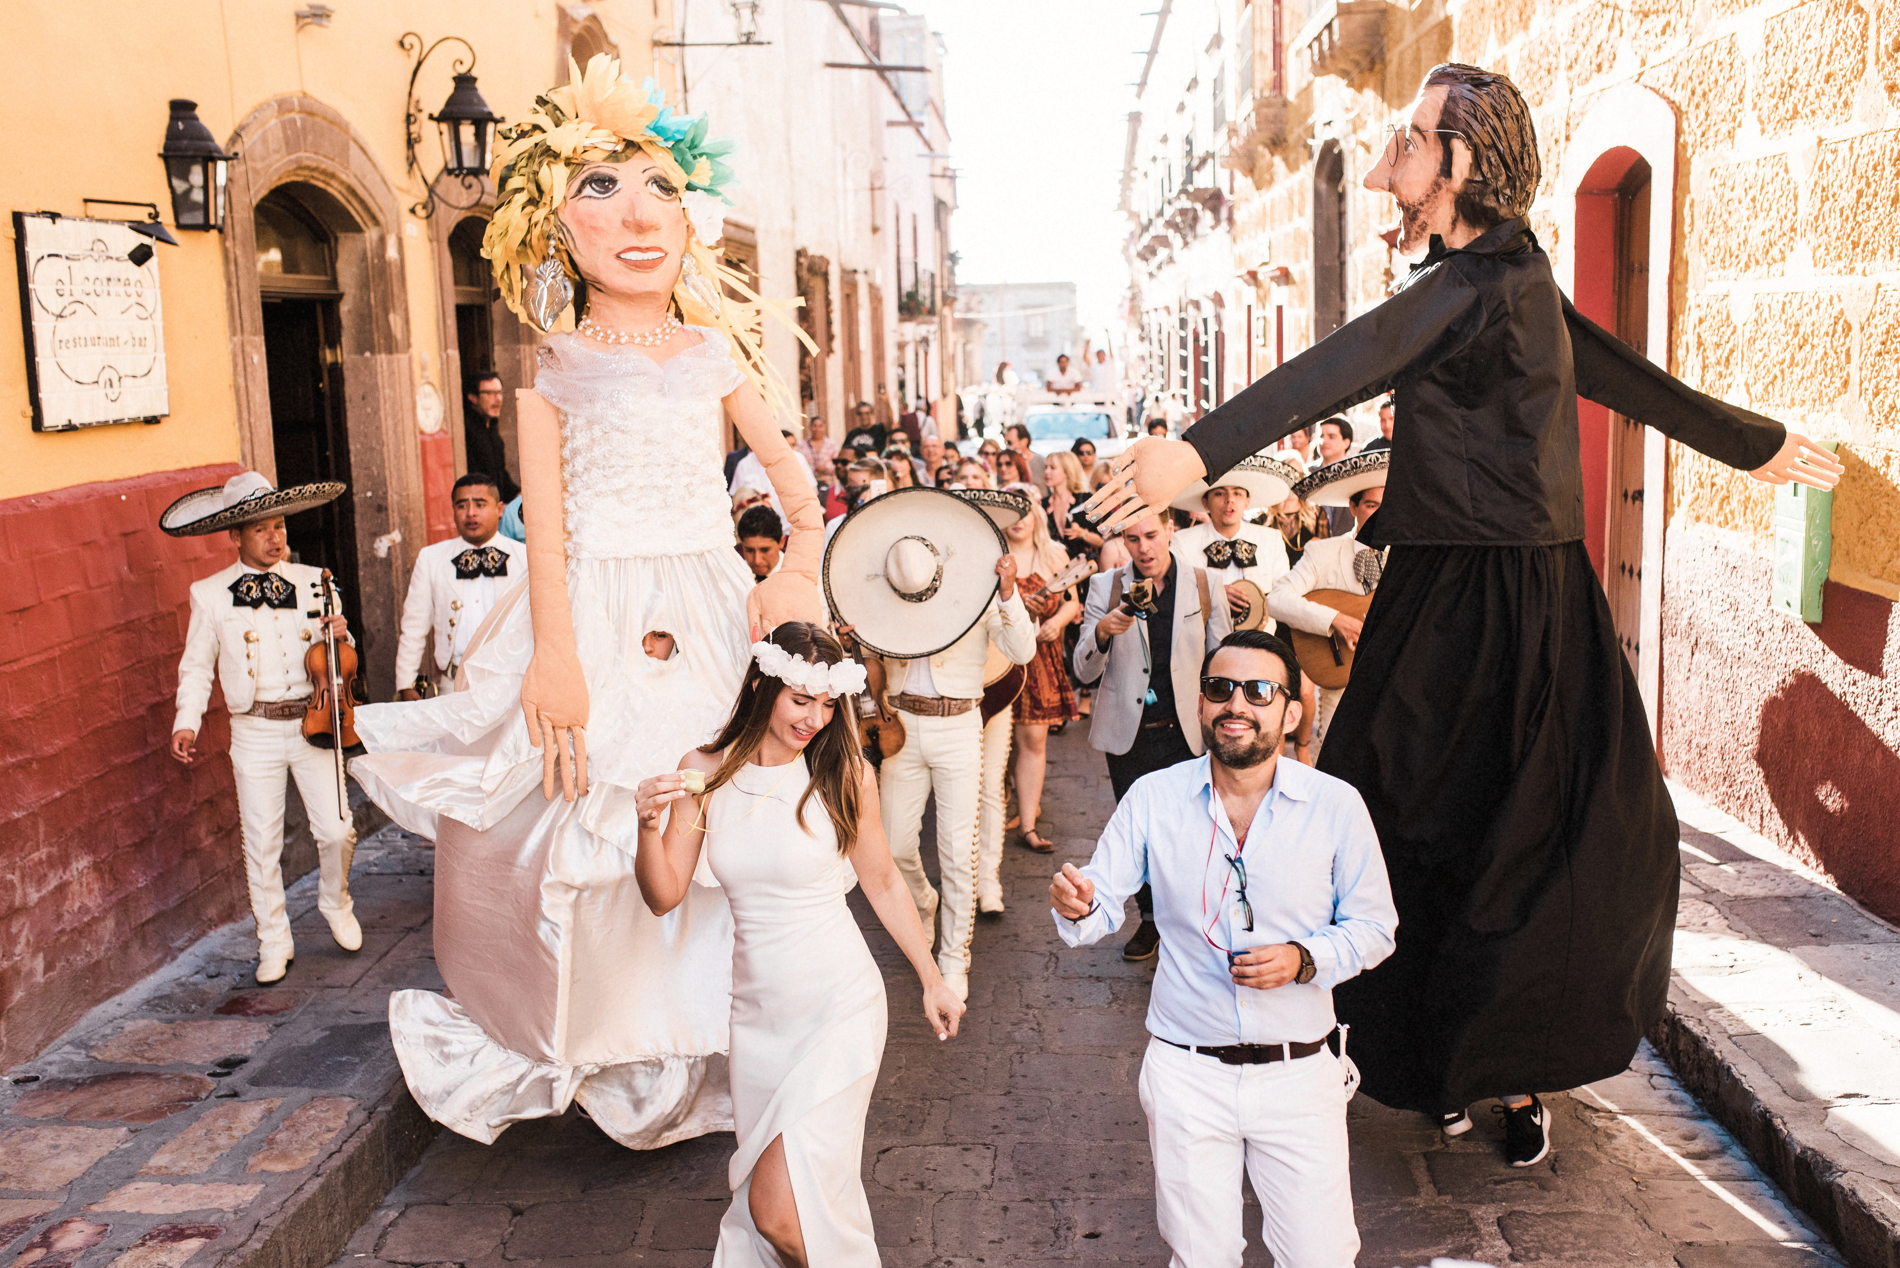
pixel 1021 1142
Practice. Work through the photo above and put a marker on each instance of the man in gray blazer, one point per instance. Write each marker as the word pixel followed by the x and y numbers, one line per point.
pixel 1144 720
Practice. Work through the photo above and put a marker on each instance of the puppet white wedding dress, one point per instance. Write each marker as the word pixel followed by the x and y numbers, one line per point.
pixel 808 1016
pixel 562 985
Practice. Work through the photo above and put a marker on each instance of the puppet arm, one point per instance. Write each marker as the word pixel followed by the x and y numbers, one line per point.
pixel 791 593
pixel 554 690
pixel 1436 313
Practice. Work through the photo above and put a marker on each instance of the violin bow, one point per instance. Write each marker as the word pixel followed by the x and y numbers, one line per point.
pixel 336 696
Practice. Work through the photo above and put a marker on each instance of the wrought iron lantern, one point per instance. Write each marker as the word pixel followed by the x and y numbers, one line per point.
pixel 466 124
pixel 195 168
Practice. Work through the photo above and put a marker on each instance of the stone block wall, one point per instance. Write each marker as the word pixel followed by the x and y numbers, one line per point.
pixel 112 855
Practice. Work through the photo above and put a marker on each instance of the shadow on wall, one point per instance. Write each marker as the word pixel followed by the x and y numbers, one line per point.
pixel 1832 781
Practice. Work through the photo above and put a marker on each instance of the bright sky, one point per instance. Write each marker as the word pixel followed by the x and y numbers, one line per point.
pixel 1038 94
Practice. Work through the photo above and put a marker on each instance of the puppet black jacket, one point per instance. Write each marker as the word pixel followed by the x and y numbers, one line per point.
pixel 1486 358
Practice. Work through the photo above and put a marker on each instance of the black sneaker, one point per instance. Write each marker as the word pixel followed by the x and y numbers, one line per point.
pixel 1454 1123
pixel 1526 1133
pixel 1146 943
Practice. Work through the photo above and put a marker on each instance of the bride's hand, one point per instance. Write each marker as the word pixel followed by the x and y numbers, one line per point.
pixel 782 597
pixel 942 1008
pixel 554 705
pixel 653 796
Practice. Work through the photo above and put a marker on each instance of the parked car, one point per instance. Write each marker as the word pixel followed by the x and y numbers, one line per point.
pixel 1056 427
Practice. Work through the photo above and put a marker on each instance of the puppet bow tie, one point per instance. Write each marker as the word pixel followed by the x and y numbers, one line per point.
pixel 1239 552
pixel 1367 566
pixel 263 590
pixel 481 561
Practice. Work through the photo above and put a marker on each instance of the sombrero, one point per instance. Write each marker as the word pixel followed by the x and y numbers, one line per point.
pixel 1336 482
pixel 245 497
pixel 1266 478
pixel 1004 506
pixel 913 570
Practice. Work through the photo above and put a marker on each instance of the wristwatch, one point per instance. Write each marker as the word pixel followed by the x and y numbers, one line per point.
pixel 1307 968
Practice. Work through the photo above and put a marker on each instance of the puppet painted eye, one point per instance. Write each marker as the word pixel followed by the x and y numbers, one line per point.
pixel 663 187
pixel 598 184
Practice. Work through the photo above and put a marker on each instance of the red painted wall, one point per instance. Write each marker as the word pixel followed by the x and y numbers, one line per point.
pixel 1804 745
pixel 438 484
pixel 113 857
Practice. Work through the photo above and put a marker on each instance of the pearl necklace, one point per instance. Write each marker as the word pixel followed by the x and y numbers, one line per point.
pixel 651 339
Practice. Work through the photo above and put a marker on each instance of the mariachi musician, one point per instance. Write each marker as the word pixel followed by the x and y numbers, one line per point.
pixel 254 623
pixel 456 584
pixel 1334 565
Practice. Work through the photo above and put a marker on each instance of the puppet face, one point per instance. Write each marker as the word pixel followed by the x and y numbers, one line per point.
pixel 626 228
pixel 1412 171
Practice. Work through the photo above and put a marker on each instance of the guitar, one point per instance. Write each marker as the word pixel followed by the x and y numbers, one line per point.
pixel 1003 681
pixel 1325 658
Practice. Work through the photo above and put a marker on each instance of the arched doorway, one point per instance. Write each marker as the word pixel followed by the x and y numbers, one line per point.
pixel 330 308
pixel 1612 289
pixel 1329 240
pixel 299 294
pixel 1616 208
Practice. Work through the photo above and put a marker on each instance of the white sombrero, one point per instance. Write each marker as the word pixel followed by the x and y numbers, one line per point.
pixel 245 497
pixel 1336 482
pixel 913 570
pixel 1266 478
pixel 1004 506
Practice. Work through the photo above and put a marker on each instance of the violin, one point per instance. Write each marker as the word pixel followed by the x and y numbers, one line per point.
pixel 331 712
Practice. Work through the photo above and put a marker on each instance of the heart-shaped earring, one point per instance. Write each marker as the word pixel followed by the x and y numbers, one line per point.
pixel 700 286
pixel 549 291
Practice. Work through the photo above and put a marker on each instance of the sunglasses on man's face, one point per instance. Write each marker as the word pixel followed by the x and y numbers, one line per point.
pixel 1259 692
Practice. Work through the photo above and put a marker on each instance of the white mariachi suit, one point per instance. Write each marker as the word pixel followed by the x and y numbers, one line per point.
pixel 455 586
pixel 1328 564
pixel 943 752
pixel 257 654
pixel 1269 554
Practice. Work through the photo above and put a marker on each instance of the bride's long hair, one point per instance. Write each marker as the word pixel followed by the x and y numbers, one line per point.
pixel 834 756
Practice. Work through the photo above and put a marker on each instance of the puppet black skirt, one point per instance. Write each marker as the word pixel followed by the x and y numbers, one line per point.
pixel 1495 731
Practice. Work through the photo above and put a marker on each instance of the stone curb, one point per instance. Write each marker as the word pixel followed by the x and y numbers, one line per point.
pixel 1722 1077
pixel 315 1223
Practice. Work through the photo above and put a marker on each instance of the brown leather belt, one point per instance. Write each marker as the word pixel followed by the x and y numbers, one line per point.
pixel 279 710
pixel 1253 1053
pixel 933 706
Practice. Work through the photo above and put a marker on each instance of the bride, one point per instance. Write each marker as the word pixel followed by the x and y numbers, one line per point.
pixel 787 810
pixel 562 987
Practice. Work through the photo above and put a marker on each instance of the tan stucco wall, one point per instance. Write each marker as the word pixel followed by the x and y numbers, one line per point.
pixel 1785 274
pixel 96 111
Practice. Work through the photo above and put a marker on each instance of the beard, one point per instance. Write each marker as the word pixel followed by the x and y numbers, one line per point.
pixel 1237 754
pixel 1415 218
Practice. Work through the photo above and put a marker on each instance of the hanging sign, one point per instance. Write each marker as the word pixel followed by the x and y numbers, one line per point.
pixel 95 336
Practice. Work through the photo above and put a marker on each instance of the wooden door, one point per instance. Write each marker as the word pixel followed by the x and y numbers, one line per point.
pixel 853 347
pixel 1623 536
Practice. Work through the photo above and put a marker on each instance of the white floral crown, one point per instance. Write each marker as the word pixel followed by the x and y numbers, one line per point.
pixel 846 678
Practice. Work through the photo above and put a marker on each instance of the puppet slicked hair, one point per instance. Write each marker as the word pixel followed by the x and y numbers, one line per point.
pixel 1489 112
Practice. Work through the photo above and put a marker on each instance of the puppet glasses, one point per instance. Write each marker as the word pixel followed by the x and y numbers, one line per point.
pixel 1400 139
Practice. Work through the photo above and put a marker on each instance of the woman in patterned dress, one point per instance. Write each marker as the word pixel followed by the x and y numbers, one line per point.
pixel 1047 699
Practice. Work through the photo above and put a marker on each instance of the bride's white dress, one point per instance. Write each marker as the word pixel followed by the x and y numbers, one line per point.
pixel 808 1016
pixel 565 987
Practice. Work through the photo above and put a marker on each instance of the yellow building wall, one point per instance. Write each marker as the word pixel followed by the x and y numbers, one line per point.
pixel 89 108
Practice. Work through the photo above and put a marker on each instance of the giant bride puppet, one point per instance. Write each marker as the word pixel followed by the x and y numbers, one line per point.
pixel 562 986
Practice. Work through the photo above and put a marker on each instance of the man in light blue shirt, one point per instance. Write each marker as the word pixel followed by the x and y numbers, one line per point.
pixel 1270 889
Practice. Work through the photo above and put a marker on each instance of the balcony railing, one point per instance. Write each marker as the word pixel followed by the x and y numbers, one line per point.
pixel 1260 129
pixel 1343 37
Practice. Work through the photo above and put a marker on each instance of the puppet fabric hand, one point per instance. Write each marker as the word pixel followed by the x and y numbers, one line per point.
pixel 1143 480
pixel 554 705
pixel 1802 461
pixel 791 593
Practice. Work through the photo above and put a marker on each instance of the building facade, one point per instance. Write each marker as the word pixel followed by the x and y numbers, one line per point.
pixel 845 194
pixel 1715 179
pixel 1028 324
pixel 325 333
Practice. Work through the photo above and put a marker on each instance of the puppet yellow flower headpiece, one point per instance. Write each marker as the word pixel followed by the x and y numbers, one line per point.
pixel 599 116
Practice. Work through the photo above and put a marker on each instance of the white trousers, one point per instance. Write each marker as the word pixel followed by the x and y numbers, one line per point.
pixel 263 750
pixel 997 734
pixel 1325 701
pixel 944 756
pixel 1284 1121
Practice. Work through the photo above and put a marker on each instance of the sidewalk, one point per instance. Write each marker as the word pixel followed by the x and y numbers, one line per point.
pixel 198 1117
pixel 1785 1022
